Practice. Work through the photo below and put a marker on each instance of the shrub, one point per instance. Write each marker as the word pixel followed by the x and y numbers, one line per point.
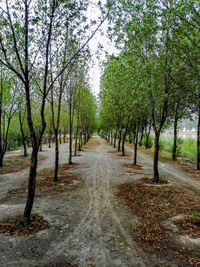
pixel 150 142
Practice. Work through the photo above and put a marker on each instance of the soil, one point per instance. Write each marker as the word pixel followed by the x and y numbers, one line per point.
pixel 190 225
pixel 89 225
pixel 17 163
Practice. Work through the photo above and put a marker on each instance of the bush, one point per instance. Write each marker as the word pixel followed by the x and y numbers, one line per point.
pixel 165 144
pixel 150 141
pixel 179 143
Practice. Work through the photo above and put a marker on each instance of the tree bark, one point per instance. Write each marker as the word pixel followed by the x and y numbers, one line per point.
pixel 49 139
pixel 23 134
pixel 41 146
pixel 119 141
pixel 76 139
pixel 198 140
pixel 81 138
pixel 136 141
pixel 147 141
pixel 115 138
pixel 1 161
pixel 79 142
pixel 134 132
pixel 64 135
pixel 25 148
pixel 70 130
pixel 175 138
pixel 156 154
pixel 123 140
pixel 32 182
pixel 129 138
pixel 60 137
pixel 141 137
pixel 56 157
pixel 84 136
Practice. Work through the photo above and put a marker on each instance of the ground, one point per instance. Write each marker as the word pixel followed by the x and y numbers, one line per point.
pixel 88 225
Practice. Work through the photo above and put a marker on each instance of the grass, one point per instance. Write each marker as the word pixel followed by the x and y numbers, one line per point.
pixel 189 149
pixel 186 149
pixel 17 163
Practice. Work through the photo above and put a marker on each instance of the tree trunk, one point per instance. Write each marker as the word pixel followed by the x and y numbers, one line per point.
pixel 23 135
pixel 129 138
pixel 81 139
pixel 123 140
pixel 25 149
pixel 79 142
pixel 134 132
pixel 70 141
pixel 1 161
pixel 147 134
pixel 32 182
pixel 141 137
pixel 64 135
pixel 175 138
pixel 49 140
pixel 119 141
pixel 76 139
pixel 84 137
pixel 156 154
pixel 115 138
pixel 147 141
pixel 56 157
pixel 136 142
pixel 41 146
pixel 60 137
pixel 198 141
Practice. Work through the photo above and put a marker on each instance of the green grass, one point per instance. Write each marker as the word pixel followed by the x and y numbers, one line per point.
pixel 189 149
pixel 186 148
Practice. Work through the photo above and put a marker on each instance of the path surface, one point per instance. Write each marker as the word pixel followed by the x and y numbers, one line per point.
pixel 15 180
pixel 87 226
pixel 172 172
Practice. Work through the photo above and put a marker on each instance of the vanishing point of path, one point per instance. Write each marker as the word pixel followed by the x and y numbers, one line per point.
pixel 89 226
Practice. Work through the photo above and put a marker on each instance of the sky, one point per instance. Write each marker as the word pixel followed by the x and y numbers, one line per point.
pixel 98 58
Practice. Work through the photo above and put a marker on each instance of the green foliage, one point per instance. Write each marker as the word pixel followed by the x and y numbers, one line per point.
pixel 150 141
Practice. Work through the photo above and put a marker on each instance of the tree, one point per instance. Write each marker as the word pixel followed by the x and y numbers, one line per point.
pixel 7 109
pixel 27 32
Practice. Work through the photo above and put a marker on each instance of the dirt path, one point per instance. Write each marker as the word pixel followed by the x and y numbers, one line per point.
pixel 95 226
pixel 172 172
pixel 89 226
pixel 15 180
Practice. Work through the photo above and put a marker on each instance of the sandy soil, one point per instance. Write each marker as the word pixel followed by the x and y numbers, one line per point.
pixel 89 226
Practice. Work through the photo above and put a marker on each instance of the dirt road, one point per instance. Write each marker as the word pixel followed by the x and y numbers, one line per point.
pixel 89 226
pixel 170 171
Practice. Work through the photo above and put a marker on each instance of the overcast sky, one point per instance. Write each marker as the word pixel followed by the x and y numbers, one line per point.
pixel 98 58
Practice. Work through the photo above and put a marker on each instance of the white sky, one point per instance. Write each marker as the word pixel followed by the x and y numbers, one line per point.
pixel 98 58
